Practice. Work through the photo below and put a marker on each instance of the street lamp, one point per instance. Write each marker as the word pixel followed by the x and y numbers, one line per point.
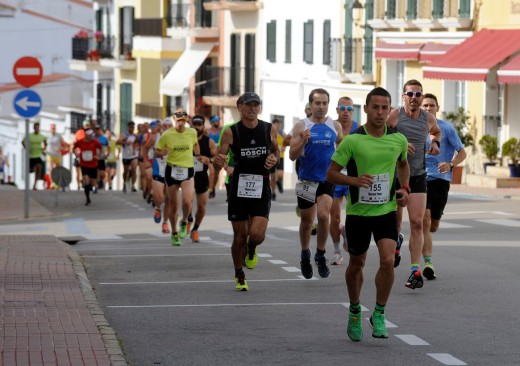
pixel 356 8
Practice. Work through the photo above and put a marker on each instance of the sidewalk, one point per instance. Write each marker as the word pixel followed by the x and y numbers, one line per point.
pixel 50 314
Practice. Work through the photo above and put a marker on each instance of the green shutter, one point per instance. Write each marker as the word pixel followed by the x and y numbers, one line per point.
pixel 308 41
pixel 125 105
pixel 288 41
pixel 326 42
pixel 411 10
pixel 465 9
pixel 271 41
pixel 438 9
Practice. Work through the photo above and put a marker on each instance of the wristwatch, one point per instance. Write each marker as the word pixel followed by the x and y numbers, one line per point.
pixel 451 166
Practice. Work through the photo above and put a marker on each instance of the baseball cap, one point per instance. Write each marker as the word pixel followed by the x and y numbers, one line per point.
pixel 197 119
pixel 249 97
pixel 89 132
pixel 154 124
pixel 168 121
pixel 214 119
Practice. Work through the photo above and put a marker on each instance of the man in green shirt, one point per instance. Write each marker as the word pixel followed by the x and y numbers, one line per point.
pixel 37 146
pixel 372 156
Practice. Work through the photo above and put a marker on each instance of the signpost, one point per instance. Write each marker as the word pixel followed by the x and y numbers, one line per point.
pixel 27 71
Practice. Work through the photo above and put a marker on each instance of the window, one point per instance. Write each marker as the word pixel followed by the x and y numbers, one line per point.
pixel 411 10
pixel 234 77
pixel 390 9
pixel 126 30
pixel 454 96
pixel 271 41
pixel 308 41
pixel 326 42
pixel 125 112
pixel 438 9
pixel 465 9
pixel 288 41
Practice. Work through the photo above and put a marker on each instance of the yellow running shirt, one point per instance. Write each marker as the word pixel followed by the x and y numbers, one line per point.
pixel 179 145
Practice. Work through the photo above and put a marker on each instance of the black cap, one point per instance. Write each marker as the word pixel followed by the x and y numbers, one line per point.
pixel 248 97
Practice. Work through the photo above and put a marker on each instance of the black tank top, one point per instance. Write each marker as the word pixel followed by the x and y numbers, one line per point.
pixel 250 148
pixel 204 149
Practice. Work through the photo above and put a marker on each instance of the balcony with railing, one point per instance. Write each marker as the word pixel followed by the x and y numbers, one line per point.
pixel 87 51
pixel 436 14
pixel 233 5
pixel 223 85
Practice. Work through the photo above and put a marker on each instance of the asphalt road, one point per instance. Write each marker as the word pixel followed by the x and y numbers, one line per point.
pixel 177 305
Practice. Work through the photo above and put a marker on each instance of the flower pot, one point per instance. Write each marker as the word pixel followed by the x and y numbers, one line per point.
pixel 514 170
pixel 489 163
pixel 457 174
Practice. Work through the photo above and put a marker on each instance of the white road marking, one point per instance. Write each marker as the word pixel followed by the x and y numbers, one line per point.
pixel 449 225
pixel 446 359
pixel 121 248
pixel 192 282
pixel 347 305
pixel 291 269
pixel 388 324
pixel 307 279
pixel 501 222
pixel 277 261
pixel 225 231
pixel 101 237
pixel 487 213
pixel 292 228
pixel 412 340
pixel 224 305
pixel 264 255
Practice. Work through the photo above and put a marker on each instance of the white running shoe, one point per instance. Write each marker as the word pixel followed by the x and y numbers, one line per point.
pixel 337 259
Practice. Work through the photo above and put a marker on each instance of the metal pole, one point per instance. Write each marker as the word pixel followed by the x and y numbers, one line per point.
pixel 27 170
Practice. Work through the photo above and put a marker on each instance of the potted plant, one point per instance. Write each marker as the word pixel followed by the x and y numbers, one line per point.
pixel 490 145
pixel 459 120
pixel 511 148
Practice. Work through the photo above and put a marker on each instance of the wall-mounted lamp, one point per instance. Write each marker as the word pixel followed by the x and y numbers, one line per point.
pixel 356 8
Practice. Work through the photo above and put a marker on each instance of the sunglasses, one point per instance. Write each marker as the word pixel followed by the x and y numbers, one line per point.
pixel 197 122
pixel 344 108
pixel 414 94
pixel 180 114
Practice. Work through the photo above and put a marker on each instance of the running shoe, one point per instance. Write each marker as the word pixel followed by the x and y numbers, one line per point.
pixel 133 189
pixel 190 223
pixel 306 268
pixel 176 241
pixel 429 271
pixel 397 259
pixel 355 326
pixel 314 229
pixel 157 216
pixel 415 280
pixel 183 232
pixel 194 235
pixel 251 260
pixel 323 269
pixel 337 259
pixel 241 283
pixel 211 194
pixel 280 186
pixel 165 228
pixel 377 320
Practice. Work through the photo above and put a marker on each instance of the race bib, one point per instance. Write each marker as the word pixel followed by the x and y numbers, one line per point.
pixel 307 190
pixel 179 173
pixel 377 193
pixel 87 155
pixel 250 186
pixel 197 165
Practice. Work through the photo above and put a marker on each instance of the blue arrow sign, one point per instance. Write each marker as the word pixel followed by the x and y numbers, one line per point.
pixel 27 103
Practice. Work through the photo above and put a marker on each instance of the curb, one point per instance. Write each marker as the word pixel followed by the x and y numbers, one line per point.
pixel 112 345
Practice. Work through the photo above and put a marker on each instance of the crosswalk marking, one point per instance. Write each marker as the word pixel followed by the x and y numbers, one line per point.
pixel 412 340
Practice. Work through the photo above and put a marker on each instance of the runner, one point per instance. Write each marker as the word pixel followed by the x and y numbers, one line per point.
pixel 255 150
pixel 313 142
pixel 113 153
pixel 373 155
pixel 89 149
pixel 158 183
pixel 147 152
pixel 179 144
pixel 208 150
pixel 98 135
pixel 128 142
pixel 344 109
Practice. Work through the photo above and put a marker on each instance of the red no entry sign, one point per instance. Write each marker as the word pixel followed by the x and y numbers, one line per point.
pixel 28 71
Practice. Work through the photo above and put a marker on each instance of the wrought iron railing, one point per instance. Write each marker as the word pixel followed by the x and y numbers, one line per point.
pixel 229 81
pixel 177 16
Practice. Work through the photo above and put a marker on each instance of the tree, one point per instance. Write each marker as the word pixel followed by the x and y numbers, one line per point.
pixel 459 120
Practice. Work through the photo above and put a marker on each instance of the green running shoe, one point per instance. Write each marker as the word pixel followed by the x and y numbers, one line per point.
pixel 241 283
pixel 251 261
pixel 176 241
pixel 355 326
pixel 377 320
pixel 183 232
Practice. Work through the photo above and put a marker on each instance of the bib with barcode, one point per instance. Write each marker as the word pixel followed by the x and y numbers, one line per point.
pixel 179 173
pixel 197 165
pixel 307 190
pixel 250 186
pixel 377 193
pixel 87 155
